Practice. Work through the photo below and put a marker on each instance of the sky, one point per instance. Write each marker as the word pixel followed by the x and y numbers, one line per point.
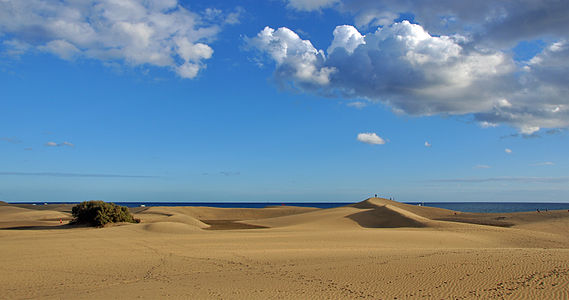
pixel 284 100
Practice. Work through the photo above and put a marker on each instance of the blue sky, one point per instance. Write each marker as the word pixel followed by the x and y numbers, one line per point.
pixel 272 102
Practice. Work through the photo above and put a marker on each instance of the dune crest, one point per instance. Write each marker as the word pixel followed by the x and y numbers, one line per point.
pixel 370 213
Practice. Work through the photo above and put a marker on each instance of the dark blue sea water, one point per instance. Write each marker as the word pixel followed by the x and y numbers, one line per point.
pixel 484 207
pixel 496 207
pixel 236 204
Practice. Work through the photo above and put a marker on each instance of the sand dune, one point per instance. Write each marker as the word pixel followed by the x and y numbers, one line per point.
pixel 217 213
pixel 174 227
pixel 377 249
pixel 11 216
pixel 370 213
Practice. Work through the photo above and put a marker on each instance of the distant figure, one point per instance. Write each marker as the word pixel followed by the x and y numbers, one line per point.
pixel 546 210
pixel 375 195
pixel 538 210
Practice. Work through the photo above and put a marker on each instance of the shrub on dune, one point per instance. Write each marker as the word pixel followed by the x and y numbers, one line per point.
pixel 99 213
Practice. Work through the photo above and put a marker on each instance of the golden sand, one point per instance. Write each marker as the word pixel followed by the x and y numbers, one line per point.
pixel 377 249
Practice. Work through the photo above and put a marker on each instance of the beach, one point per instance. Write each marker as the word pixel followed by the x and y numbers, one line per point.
pixel 376 249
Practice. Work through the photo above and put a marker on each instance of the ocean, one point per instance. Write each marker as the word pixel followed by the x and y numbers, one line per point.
pixel 481 207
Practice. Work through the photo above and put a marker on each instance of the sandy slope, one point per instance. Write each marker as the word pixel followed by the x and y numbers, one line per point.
pixel 377 249
pixel 12 216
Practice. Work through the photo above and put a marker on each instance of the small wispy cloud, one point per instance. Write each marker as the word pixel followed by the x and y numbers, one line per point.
pixel 357 104
pixel 522 135
pixel 485 124
pixel 58 174
pixel 505 179
pixel 11 140
pixel 481 167
pixel 370 138
pixel 427 144
pixel 545 163
pixel 508 151
pixel 224 173
pixel 54 144
pixel 555 131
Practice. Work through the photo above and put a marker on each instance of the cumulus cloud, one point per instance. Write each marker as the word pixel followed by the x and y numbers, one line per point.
pixel 157 33
pixel 295 58
pixel 508 151
pixel 540 100
pixel 488 21
pixel 346 37
pixel 416 73
pixel 370 138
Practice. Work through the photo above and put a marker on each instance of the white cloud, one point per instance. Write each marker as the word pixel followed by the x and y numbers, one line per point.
pixel 488 21
pixel 486 124
pixel 508 151
pixel 152 32
pixel 545 163
pixel 309 5
pixel 357 104
pixel 540 99
pixel 400 65
pixel 481 167
pixel 54 144
pixel 15 47
pixel 61 48
pixel 295 58
pixel 416 73
pixel 427 144
pixel 67 144
pixel 374 17
pixel 370 138
pixel 347 38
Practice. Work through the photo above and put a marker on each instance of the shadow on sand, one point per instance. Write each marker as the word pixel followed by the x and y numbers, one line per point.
pixel 43 227
pixel 382 217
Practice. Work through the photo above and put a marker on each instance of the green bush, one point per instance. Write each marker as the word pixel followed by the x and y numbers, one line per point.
pixel 99 213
